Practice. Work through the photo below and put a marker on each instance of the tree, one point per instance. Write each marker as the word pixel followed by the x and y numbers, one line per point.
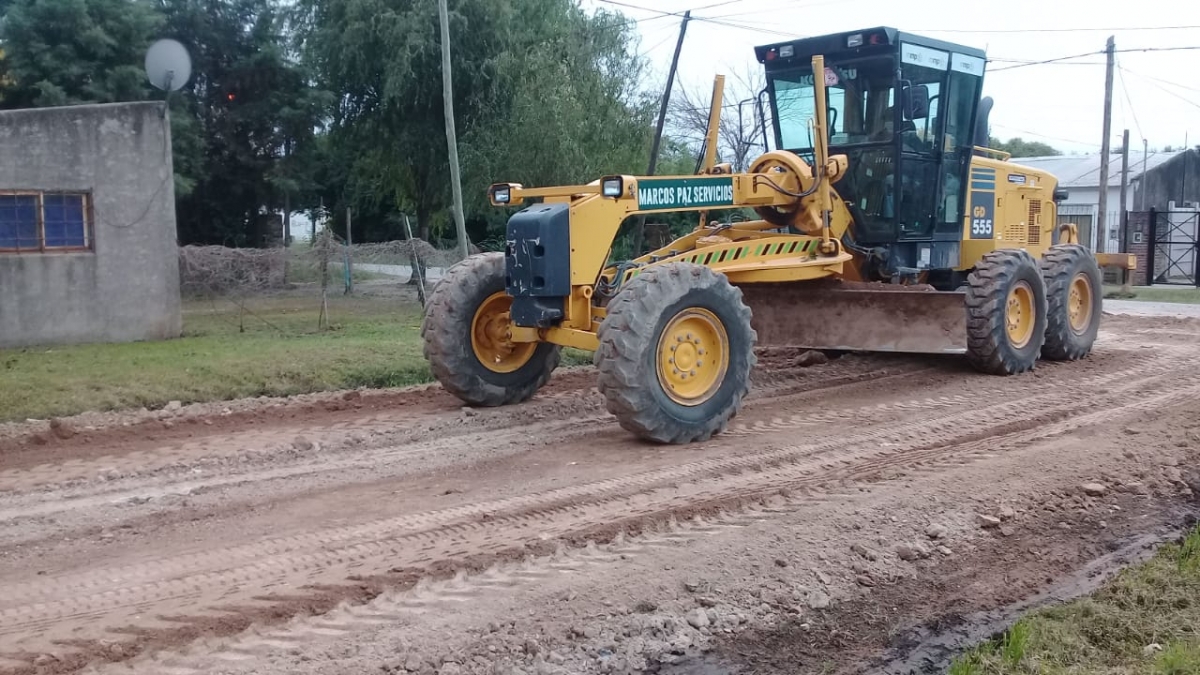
pixel 1018 147
pixel 248 121
pixel 61 52
pixel 740 132
pixel 543 94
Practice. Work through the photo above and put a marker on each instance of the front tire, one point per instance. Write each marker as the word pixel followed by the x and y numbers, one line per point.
pixel 676 351
pixel 1006 313
pixel 467 344
pixel 1073 284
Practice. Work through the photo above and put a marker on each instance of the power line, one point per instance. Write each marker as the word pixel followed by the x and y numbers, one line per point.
pixel 1168 91
pixel 1050 138
pixel 1128 99
pixel 1046 61
pixel 1158 79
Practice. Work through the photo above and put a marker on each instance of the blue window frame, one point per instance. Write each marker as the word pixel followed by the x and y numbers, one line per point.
pixel 39 222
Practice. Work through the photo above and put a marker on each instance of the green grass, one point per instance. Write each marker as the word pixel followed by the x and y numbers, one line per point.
pixel 1156 603
pixel 271 348
pixel 1183 294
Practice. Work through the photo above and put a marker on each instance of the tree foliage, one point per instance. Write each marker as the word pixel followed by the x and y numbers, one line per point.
pixel 543 93
pixel 1019 147
pixel 61 52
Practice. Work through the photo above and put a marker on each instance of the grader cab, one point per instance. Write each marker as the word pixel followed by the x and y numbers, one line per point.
pixel 881 223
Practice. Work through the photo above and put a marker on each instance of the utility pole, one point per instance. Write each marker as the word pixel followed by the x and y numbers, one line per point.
pixel 1102 217
pixel 1127 276
pixel 460 223
pixel 640 234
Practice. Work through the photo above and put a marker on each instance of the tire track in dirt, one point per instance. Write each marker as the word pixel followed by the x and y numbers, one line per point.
pixel 788 492
pixel 382 429
pixel 422 539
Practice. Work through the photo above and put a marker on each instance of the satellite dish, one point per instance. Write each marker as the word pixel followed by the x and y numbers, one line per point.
pixel 168 65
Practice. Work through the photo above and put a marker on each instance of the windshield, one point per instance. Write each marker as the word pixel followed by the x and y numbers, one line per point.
pixel 859 99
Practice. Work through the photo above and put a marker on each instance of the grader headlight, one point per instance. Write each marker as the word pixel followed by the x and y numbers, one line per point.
pixel 612 186
pixel 500 194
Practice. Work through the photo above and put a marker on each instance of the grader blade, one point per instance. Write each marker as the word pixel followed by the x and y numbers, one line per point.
pixel 866 317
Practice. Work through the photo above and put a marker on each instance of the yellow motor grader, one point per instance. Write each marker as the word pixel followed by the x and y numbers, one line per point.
pixel 883 223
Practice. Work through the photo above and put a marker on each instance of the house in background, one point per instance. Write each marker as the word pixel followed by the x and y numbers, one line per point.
pixel 87 226
pixel 1156 179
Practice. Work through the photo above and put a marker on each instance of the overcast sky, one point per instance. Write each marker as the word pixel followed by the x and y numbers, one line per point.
pixel 1156 94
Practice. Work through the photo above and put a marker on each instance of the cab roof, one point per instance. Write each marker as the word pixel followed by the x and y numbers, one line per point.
pixel 866 42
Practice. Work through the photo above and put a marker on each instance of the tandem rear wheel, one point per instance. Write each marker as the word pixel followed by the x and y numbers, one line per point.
pixel 1020 309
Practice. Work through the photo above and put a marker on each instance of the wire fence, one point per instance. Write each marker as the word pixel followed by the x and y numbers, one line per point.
pixel 312 273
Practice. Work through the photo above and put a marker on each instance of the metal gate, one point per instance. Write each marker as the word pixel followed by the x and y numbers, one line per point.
pixel 1175 248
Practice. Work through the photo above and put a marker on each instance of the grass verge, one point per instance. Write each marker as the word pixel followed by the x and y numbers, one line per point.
pixel 1184 295
pixel 267 346
pixel 1144 620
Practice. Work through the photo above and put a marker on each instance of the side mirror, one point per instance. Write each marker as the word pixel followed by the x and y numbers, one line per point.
pixel 915 102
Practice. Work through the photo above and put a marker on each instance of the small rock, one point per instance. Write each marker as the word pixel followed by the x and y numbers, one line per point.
pixel 1007 512
pixel 468 411
pixel 1093 489
pixel 909 553
pixel 532 648
pixel 864 580
pixel 693 586
pixel 935 531
pixel 707 602
pixel 1103 524
pixel 1007 531
pixel 556 658
pixel 822 577
pixel 413 663
pixel 1134 431
pixel 302 444
pixel 811 358
pixel 351 396
pixel 1064 525
pixel 697 618
pixel 988 522
pixel 864 552
pixel 450 668
pixel 945 551
pixel 61 429
pixel 1151 649
pixel 173 406
pixel 44 660
pixel 818 600
pixel 780 562
pixel 645 607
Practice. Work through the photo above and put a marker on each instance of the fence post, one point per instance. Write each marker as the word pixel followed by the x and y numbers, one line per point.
pixel 1153 236
pixel 349 258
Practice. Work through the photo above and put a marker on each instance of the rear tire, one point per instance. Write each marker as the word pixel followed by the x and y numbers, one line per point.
pixel 1006 313
pixel 676 351
pixel 464 330
pixel 1073 294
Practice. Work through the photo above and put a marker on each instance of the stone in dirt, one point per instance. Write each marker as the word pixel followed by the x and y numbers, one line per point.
pixel 1007 531
pixel 935 531
pixel 1007 512
pixel 818 600
pixel 989 522
pixel 302 444
pixel 864 580
pixel 697 618
pixel 810 358
pixel 822 577
pixel 864 552
pixel 173 406
pixel 1094 489
pixel 61 429
pixel 909 553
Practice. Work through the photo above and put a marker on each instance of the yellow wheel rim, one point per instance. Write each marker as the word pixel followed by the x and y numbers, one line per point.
pixel 693 355
pixel 491 336
pixel 1018 314
pixel 1079 303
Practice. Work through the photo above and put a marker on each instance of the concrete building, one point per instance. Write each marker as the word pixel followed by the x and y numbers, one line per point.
pixel 88 247
pixel 1155 180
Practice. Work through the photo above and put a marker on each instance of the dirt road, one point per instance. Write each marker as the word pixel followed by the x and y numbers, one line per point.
pixel 397 532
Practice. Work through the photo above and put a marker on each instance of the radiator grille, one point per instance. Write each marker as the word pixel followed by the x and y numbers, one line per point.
pixel 1035 221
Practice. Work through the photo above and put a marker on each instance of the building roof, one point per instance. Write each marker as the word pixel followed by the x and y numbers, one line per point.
pixel 1083 171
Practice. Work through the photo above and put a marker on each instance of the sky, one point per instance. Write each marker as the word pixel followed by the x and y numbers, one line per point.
pixel 1156 94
